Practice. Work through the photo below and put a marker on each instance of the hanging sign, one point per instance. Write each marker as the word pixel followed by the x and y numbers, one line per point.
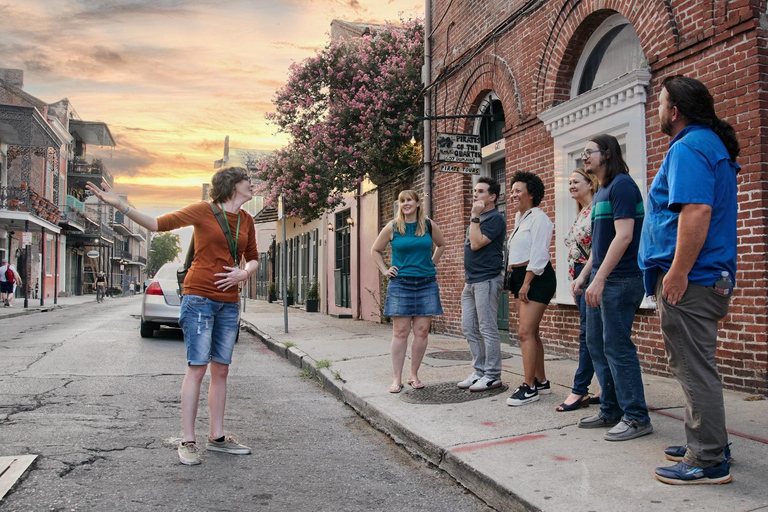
pixel 460 168
pixel 459 148
pixel 92 254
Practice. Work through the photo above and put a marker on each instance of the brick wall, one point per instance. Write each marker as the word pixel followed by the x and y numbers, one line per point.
pixel 526 52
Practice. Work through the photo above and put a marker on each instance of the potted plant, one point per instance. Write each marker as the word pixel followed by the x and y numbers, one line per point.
pixel 313 299
pixel 289 294
pixel 271 292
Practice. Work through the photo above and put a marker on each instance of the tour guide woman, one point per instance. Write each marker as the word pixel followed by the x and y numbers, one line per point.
pixel 413 297
pixel 533 282
pixel 210 305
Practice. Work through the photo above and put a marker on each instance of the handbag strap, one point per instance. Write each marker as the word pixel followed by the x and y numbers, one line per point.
pixel 231 241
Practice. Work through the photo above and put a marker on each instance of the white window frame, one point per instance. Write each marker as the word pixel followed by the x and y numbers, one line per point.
pixel 609 24
pixel 616 108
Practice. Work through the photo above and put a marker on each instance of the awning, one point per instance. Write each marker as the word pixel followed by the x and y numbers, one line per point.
pixel 91 132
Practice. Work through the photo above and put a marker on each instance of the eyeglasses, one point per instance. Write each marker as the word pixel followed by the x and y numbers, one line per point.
pixel 588 152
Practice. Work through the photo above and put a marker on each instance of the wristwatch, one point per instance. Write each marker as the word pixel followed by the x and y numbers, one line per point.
pixel 475 219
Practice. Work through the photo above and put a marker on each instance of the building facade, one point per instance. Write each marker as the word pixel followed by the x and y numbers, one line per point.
pixel 552 74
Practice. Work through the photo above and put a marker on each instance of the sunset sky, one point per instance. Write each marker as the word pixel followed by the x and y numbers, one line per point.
pixel 172 78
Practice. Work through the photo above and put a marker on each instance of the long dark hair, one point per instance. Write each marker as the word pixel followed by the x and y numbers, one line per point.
pixel 611 151
pixel 693 100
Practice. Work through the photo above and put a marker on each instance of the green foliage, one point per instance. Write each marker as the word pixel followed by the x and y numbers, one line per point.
pixel 323 363
pixel 312 293
pixel 289 344
pixel 165 247
pixel 272 289
pixel 306 372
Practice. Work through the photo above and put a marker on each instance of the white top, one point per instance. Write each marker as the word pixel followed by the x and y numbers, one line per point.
pixel 530 240
pixel 2 273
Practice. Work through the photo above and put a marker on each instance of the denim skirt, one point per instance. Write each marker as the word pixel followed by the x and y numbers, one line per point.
pixel 413 296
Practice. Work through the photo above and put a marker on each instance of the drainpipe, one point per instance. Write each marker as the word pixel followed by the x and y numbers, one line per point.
pixel 358 227
pixel 427 140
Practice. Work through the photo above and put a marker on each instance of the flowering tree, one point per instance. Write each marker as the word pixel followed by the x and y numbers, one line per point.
pixel 350 113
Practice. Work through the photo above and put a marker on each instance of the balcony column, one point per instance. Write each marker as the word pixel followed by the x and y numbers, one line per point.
pixel 56 271
pixel 42 265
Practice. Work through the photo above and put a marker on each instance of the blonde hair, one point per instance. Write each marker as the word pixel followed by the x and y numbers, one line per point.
pixel 421 218
pixel 593 184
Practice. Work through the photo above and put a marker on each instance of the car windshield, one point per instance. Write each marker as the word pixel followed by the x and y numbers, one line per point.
pixel 167 271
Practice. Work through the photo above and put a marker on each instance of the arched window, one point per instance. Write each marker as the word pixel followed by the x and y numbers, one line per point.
pixel 613 51
pixel 608 95
pixel 491 127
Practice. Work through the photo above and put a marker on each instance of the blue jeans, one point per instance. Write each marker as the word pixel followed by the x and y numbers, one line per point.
pixel 479 308
pixel 210 329
pixel 614 355
pixel 584 373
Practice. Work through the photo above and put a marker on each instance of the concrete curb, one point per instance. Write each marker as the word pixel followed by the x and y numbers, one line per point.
pixel 488 490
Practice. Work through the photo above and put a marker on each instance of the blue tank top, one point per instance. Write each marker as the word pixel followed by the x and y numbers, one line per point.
pixel 412 255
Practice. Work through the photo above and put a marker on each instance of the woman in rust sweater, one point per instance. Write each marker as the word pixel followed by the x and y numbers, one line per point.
pixel 210 305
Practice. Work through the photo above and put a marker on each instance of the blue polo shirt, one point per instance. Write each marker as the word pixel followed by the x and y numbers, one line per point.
pixel 696 170
pixel 621 199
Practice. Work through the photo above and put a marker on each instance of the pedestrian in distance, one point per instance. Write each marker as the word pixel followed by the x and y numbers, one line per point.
pixel 582 187
pixel 413 296
pixel 532 281
pixel 614 293
pixel 688 256
pixel 9 279
pixel 224 235
pixel 100 285
pixel 483 277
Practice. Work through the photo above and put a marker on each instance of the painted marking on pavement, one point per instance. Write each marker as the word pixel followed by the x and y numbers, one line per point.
pixel 480 446
pixel 489 424
pixel 730 431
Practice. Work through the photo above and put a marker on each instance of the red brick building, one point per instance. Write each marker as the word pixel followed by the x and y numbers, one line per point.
pixel 555 73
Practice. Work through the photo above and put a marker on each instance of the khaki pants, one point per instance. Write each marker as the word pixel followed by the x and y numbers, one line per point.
pixel 690 337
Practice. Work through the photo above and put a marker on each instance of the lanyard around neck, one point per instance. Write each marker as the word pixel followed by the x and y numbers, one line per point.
pixel 232 240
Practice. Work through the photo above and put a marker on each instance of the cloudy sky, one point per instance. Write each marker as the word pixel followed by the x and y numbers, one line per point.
pixel 172 78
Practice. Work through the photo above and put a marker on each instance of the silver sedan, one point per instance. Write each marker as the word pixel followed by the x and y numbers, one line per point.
pixel 161 304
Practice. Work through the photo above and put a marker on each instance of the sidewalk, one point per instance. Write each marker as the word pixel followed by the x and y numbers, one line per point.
pixel 34 305
pixel 522 458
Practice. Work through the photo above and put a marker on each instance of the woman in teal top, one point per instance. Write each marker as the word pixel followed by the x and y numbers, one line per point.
pixel 413 296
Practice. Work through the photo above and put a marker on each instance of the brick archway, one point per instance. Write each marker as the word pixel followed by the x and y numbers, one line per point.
pixel 577 20
pixel 491 73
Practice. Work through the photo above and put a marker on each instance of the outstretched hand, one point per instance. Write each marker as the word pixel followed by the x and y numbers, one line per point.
pixel 106 195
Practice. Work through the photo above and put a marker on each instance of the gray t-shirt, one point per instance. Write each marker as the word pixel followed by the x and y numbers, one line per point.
pixel 486 262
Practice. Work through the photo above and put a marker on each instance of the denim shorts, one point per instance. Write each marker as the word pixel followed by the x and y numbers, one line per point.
pixel 210 329
pixel 413 296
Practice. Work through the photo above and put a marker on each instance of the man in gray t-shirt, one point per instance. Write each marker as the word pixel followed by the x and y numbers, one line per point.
pixel 483 275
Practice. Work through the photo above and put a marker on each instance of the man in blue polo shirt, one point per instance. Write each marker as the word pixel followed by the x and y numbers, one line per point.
pixel 688 256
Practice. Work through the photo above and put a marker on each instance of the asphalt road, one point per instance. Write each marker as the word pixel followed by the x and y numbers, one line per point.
pixel 100 406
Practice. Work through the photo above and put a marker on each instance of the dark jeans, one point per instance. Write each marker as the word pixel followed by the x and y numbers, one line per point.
pixel 614 355
pixel 583 377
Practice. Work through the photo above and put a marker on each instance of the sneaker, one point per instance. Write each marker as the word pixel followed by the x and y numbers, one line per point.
pixel 542 387
pixel 189 454
pixel 485 383
pixel 628 429
pixel 523 395
pixel 473 377
pixel 228 445
pixel 596 421
pixel 677 453
pixel 683 474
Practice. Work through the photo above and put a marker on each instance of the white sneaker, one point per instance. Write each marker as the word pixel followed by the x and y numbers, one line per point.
pixel 473 377
pixel 485 383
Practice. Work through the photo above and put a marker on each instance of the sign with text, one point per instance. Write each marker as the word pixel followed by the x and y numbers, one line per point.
pixel 459 148
pixel 26 238
pixel 460 168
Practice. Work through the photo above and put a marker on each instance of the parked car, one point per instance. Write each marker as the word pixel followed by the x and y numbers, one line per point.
pixel 161 304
